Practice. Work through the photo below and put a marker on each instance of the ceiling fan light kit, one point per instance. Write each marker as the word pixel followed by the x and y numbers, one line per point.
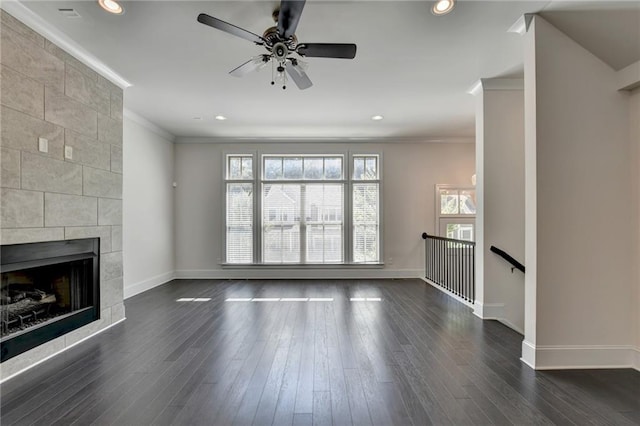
pixel 282 46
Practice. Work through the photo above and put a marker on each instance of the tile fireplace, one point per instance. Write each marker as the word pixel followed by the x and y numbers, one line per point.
pixel 47 289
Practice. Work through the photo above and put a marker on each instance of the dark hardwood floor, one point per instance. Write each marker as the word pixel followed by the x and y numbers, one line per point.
pixel 414 357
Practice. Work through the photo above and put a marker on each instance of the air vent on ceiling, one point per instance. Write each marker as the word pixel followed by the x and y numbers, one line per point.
pixel 69 13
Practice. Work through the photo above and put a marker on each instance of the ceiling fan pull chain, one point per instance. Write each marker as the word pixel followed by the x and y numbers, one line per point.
pixel 273 72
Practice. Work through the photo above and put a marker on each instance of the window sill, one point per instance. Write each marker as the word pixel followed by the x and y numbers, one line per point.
pixel 302 266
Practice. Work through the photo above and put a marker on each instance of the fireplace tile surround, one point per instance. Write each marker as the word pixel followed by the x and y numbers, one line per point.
pixel 46 92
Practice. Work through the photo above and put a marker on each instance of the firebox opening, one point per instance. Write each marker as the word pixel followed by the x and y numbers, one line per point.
pixel 34 296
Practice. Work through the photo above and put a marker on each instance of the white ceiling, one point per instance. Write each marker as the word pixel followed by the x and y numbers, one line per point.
pixel 411 67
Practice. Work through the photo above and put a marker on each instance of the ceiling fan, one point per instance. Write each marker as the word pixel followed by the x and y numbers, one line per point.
pixel 281 44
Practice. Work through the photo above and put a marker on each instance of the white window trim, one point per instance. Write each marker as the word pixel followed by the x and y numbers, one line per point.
pixel 469 218
pixel 347 180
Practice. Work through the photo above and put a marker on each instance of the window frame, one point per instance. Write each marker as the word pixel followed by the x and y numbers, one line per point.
pixel 378 181
pixel 258 180
pixel 461 218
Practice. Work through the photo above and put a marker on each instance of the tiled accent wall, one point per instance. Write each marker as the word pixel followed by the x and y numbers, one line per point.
pixel 45 92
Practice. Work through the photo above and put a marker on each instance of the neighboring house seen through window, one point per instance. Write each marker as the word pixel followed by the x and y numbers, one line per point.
pixel 309 210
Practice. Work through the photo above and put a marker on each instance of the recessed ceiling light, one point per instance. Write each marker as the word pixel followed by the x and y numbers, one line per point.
pixel 377 117
pixel 197 118
pixel 111 6
pixel 442 7
pixel 221 117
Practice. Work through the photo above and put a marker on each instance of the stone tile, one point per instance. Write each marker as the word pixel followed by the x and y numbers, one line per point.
pixel 111 292
pixel 67 58
pixel 21 131
pixel 69 113
pixel 110 266
pixel 21 29
pixel 109 211
pixel 21 92
pixel 30 235
pixel 88 151
pixel 109 130
pixel 84 89
pixel 107 85
pixel 10 168
pixel 116 105
pixel 47 174
pixel 21 209
pixel 117 313
pixel 101 183
pixel 116 159
pixel 27 359
pixel 116 238
pixel 90 329
pixel 102 232
pixel 70 210
pixel 28 58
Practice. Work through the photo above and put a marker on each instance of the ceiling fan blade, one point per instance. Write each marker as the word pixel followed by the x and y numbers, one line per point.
pixel 216 23
pixel 244 69
pixel 327 50
pixel 298 76
pixel 290 11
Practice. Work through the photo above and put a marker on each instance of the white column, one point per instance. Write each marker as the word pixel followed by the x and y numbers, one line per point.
pixel 500 199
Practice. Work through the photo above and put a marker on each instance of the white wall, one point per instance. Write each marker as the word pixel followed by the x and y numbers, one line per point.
pixel 410 173
pixel 500 222
pixel 148 210
pixel 635 155
pixel 582 282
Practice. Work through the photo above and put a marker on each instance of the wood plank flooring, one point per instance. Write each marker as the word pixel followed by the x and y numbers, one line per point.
pixel 416 357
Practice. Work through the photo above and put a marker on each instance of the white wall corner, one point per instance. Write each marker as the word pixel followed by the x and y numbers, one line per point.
pixel 148 284
pixel 42 27
pixel 629 77
pixel 521 26
pixel 489 311
pixel 149 125
pixel 528 354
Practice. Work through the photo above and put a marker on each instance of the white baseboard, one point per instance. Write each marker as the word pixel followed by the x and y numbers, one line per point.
pixel 580 356
pixel 297 273
pixel 447 292
pixel 148 284
pixel 494 311
pixel 488 311
pixel 528 354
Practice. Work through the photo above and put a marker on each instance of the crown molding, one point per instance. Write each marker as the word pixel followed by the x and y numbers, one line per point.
pixel 521 26
pixel 340 140
pixel 486 84
pixel 127 113
pixel 629 77
pixel 42 27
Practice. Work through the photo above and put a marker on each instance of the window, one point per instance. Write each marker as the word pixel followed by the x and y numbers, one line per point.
pixel 303 202
pixel 301 209
pixel 239 205
pixel 456 212
pixel 366 207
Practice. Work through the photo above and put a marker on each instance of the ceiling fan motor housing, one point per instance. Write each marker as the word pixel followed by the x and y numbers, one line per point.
pixel 280 51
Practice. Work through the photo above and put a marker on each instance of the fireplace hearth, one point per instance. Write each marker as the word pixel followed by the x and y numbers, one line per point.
pixel 46 290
